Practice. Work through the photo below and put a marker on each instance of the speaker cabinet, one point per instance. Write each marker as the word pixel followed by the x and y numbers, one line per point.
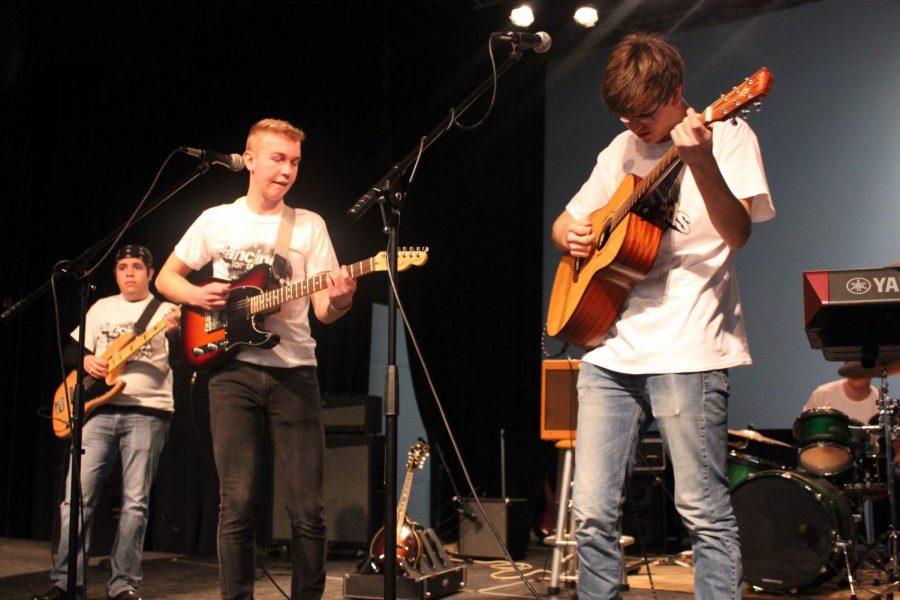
pixel 509 516
pixel 354 490
pixel 559 399
pixel 351 413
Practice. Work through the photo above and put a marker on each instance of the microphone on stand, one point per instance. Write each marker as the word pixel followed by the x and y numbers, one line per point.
pixel 524 40
pixel 232 162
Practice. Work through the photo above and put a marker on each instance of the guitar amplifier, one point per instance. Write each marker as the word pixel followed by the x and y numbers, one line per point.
pixel 351 413
pixel 559 399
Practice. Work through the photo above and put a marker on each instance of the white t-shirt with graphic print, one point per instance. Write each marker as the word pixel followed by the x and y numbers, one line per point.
pixel 685 315
pixel 236 239
pixel 147 376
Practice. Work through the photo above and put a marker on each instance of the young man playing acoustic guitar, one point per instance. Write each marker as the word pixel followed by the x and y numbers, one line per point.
pixel 274 386
pixel 133 425
pixel 680 327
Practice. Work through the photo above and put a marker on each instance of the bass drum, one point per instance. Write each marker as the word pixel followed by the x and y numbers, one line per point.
pixel 790 525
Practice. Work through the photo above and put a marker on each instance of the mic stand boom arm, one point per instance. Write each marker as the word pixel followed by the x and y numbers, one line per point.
pixel 388 182
pixel 391 187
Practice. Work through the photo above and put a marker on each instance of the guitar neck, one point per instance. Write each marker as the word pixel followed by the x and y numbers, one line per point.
pixel 274 298
pixel 404 500
pixel 126 351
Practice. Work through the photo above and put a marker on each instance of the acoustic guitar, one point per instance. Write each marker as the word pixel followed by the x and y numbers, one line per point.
pixel 409 544
pixel 210 338
pixel 588 293
pixel 97 392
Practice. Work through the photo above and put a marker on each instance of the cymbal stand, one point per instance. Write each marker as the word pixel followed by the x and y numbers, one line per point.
pixel 842 544
pixel 885 406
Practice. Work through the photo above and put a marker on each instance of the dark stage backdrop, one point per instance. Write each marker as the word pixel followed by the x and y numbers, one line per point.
pixel 95 95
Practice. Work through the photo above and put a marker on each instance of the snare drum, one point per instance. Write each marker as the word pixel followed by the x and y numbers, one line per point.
pixel 824 443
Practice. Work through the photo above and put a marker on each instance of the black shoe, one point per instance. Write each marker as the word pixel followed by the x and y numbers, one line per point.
pixel 126 595
pixel 56 593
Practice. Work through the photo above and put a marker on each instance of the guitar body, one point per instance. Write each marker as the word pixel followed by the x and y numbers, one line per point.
pixel 221 333
pixel 96 392
pixel 409 545
pixel 586 299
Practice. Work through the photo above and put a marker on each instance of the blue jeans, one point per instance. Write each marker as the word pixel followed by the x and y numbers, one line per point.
pixel 614 410
pixel 138 438
pixel 244 400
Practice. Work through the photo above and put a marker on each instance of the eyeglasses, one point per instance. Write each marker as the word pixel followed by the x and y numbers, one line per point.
pixel 644 118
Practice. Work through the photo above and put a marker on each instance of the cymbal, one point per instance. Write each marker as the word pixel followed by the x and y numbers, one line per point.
pixel 854 369
pixel 756 437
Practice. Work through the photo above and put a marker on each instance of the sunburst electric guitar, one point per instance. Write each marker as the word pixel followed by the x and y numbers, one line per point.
pixel 409 544
pixel 588 293
pixel 211 337
pixel 97 392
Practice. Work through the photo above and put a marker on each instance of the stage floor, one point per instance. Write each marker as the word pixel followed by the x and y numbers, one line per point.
pixel 25 566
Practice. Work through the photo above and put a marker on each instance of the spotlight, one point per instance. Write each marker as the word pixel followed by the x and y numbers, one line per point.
pixel 522 16
pixel 586 16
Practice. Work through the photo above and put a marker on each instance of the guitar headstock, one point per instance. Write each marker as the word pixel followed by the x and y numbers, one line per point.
pixel 751 91
pixel 406 258
pixel 417 455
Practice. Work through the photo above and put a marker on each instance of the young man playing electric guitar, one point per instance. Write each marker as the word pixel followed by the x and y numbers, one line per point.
pixel 679 330
pixel 275 385
pixel 132 425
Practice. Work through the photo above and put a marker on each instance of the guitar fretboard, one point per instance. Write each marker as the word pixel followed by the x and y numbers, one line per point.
pixel 275 298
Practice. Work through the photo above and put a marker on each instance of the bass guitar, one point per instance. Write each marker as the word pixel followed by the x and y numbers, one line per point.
pixel 209 338
pixel 409 544
pixel 588 293
pixel 97 392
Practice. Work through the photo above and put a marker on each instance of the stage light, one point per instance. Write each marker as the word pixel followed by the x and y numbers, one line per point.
pixel 522 16
pixel 586 16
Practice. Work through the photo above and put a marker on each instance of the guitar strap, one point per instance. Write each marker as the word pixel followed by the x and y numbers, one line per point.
pixel 149 311
pixel 282 242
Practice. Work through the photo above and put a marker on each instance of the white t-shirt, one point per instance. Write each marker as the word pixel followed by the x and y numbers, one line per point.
pixel 831 395
pixel 685 315
pixel 236 239
pixel 147 376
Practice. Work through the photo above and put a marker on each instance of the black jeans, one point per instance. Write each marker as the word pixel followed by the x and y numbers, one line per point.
pixel 243 400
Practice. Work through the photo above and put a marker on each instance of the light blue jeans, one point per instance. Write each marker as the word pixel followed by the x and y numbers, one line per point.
pixel 138 439
pixel 614 410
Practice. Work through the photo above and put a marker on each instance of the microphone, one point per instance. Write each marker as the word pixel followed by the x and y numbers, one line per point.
pixel 539 42
pixel 232 162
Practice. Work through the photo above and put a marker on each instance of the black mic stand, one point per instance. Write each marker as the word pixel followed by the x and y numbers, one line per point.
pixel 80 270
pixel 390 195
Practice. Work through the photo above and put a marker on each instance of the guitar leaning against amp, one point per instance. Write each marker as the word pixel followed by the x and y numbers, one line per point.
pixel 588 293
pixel 210 338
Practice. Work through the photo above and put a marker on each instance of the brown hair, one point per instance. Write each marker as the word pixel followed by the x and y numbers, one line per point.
pixel 643 70
pixel 276 127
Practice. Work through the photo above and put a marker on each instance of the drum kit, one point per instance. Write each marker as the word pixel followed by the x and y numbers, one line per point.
pixel 798 506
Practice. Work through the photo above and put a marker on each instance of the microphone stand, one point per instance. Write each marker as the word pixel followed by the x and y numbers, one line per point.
pixel 390 194
pixel 79 270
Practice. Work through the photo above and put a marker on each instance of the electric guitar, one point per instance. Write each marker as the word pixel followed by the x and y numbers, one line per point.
pixel 209 338
pixel 409 544
pixel 588 293
pixel 97 392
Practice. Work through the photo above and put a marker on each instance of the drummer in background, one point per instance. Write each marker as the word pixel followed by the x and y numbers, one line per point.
pixel 856 397
pixel 853 396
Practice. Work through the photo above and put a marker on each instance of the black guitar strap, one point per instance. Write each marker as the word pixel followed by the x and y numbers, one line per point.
pixel 149 311
pixel 282 242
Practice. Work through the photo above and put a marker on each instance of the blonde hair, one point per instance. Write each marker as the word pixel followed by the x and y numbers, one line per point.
pixel 643 70
pixel 275 127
